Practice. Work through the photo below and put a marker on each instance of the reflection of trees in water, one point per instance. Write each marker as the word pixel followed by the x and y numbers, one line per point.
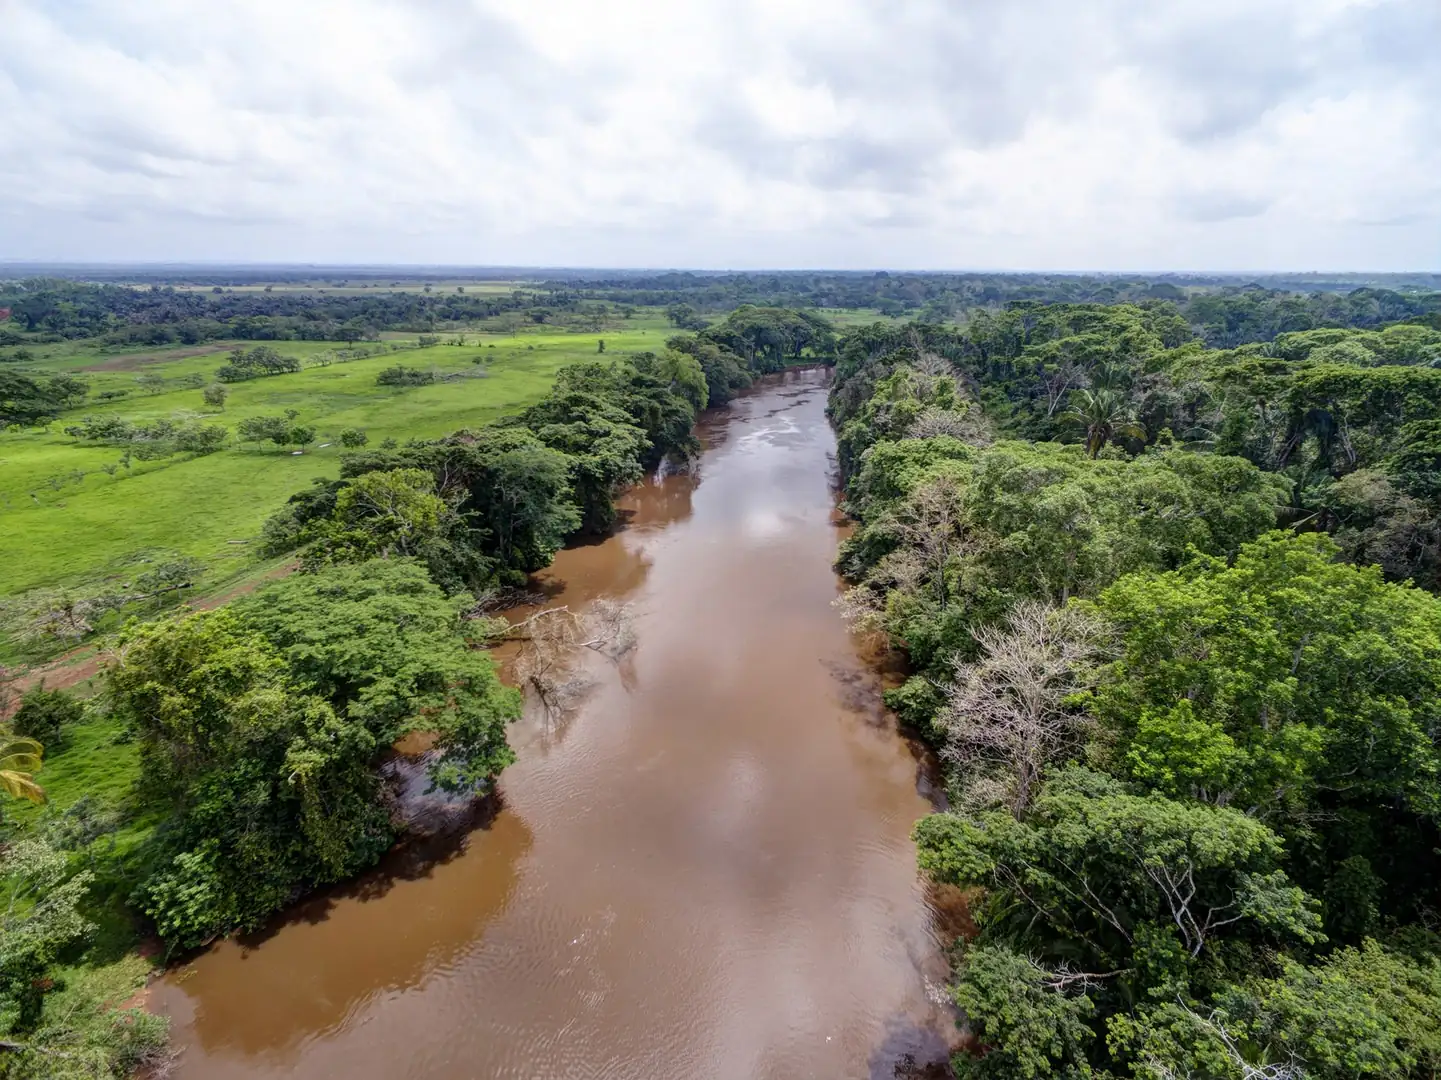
pixel 425 905
pixel 910 1050
pixel 658 501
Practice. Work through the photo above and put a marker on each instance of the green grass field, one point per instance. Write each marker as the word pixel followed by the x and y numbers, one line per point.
pixel 62 518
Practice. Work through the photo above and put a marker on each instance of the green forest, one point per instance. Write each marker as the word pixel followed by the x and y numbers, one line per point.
pixel 1161 556
pixel 1171 616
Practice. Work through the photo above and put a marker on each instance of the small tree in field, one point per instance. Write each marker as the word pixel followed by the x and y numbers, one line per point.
pixel 300 436
pixel 44 715
pixel 215 395
pixel 353 438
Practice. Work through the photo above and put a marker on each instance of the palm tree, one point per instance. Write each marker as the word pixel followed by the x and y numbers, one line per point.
pixel 1104 415
pixel 19 761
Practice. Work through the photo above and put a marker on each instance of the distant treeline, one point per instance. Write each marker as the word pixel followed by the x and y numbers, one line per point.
pixel 165 316
pixel 1222 312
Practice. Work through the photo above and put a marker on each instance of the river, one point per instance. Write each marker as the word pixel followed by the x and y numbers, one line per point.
pixel 703 871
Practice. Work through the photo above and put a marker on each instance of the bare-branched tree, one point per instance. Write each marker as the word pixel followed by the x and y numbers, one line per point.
pixel 1006 715
pixel 551 641
pixel 931 526
pixel 968 425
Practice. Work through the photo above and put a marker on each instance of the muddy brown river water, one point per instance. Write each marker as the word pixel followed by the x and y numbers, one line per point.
pixel 704 871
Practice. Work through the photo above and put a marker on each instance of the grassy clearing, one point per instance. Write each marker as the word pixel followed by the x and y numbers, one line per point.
pixel 64 517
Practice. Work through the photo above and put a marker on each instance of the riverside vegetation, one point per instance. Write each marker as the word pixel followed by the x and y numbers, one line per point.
pixel 230 761
pixel 1171 616
pixel 238 750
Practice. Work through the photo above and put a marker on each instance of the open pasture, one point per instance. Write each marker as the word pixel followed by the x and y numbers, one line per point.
pixel 69 510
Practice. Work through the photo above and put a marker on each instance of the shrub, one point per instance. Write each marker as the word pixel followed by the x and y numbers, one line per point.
pixel 400 375
pixel 45 714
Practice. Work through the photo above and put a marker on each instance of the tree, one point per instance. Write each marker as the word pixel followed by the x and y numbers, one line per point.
pixel 43 715
pixel 604 446
pixel 1017 1007
pixel 167 576
pixel 1096 863
pixel 258 429
pixel 508 488
pixel 1273 681
pixel 400 375
pixel 216 394
pixel 550 640
pixel 725 372
pixel 40 918
pixel 770 337
pixel 382 514
pixel 1104 416
pixel 385 647
pixel 1008 715
pixel 197 438
pixel 269 790
pixel 27 400
pixel 300 435
pixel 353 438
pixel 257 363
pixel 684 317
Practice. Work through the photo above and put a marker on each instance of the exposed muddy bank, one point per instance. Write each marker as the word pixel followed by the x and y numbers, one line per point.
pixel 703 871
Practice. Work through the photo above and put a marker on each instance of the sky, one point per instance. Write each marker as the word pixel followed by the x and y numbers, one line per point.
pixel 846 134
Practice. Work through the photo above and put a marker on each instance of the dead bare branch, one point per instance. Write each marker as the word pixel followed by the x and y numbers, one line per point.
pixel 552 638
pixel 1006 714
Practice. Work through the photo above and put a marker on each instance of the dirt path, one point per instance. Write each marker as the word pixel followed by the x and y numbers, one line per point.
pixel 84 662
pixel 131 361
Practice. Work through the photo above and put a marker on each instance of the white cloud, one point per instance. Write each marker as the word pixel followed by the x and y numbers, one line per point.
pixel 851 133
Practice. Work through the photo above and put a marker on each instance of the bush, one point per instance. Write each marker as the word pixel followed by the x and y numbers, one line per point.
pixel 353 438
pixel 201 438
pixel 400 375
pixel 259 361
pixel 45 714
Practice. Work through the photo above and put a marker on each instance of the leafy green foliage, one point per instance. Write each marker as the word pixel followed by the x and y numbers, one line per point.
pixel 43 715
pixel 271 792
pixel 1097 864
pixel 386 648
pixel 260 361
pixel 261 725
pixel 1283 676
pixel 1199 837
pixel 26 400
pixel 41 917
pixel 768 338
pixel 83 1034
pixel 1012 1008
pixel 381 514
pixel 400 375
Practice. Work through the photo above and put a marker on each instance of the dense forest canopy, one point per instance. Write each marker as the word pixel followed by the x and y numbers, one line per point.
pixel 1171 616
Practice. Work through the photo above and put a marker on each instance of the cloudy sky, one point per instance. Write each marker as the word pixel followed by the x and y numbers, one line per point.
pixel 1014 134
